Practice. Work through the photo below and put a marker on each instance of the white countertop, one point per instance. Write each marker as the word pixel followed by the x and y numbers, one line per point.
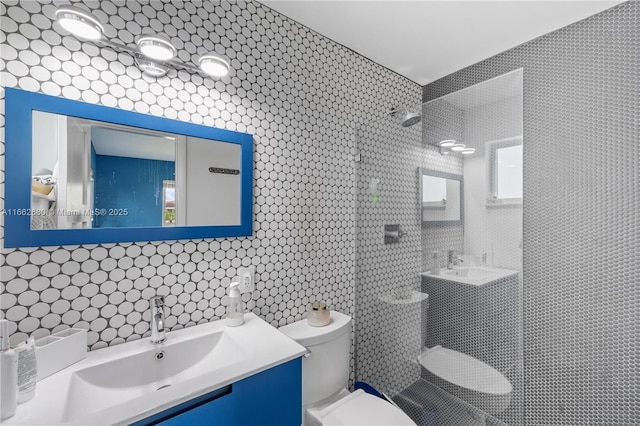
pixel 261 345
pixel 476 276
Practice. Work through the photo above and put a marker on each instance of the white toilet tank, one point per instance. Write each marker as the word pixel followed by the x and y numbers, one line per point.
pixel 326 370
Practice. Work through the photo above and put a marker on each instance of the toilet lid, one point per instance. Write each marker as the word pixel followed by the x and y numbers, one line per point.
pixel 360 408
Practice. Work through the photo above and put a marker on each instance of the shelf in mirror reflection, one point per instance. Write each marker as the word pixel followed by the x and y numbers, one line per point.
pixel 403 297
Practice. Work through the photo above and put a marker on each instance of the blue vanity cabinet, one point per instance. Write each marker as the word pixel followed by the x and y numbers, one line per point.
pixel 272 397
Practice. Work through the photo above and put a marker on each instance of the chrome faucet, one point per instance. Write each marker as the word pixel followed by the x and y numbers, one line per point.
pixel 452 260
pixel 157 320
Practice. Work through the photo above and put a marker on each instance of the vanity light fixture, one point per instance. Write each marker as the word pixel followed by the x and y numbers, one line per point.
pixel 214 65
pixel 156 69
pixel 447 143
pixel 156 47
pixel 79 23
pixel 448 146
pixel 154 54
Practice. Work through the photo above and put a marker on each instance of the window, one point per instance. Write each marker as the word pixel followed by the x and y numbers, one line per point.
pixel 506 170
pixel 168 203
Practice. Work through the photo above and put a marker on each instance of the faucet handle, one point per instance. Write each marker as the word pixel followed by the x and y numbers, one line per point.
pixel 157 302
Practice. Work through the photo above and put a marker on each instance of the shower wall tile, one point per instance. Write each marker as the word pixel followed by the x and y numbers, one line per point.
pixel 581 216
pixel 388 329
pixel 481 321
pixel 300 94
pixel 442 121
pixel 431 405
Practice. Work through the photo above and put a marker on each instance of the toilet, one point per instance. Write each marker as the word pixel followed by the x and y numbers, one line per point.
pixel 468 378
pixel 325 372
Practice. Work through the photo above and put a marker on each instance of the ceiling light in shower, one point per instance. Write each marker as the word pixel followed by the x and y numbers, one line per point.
pixel 447 143
pixel 152 68
pixel 459 147
pixel 468 151
pixel 79 23
pixel 214 65
pixel 156 47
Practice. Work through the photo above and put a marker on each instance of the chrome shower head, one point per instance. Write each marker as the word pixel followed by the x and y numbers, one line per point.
pixel 410 119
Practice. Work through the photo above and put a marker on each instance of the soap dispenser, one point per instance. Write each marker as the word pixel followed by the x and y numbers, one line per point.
pixel 8 374
pixel 235 309
pixel 435 266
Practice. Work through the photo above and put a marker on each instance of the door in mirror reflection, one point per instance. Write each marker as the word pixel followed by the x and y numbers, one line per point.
pixel 91 174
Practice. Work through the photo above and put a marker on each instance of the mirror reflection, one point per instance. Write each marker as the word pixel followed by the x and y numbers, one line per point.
pixel 93 174
pixel 440 196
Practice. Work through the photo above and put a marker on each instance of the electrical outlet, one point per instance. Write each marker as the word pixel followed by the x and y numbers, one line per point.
pixel 246 277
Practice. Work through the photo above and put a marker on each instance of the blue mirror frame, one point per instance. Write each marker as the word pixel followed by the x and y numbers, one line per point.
pixel 19 105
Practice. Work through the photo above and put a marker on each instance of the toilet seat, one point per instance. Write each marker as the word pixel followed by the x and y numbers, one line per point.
pixel 360 409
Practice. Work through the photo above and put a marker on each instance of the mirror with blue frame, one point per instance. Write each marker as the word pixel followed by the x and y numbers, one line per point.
pixel 81 173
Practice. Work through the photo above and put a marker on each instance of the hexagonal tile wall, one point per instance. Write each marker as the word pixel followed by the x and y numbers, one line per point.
pixel 300 94
pixel 581 224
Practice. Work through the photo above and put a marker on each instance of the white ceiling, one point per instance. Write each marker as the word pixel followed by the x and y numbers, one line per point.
pixel 426 40
pixel 496 89
pixel 129 142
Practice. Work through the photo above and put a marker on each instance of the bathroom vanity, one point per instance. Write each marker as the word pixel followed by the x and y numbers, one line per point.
pixel 207 373
pixel 228 405
pixel 474 310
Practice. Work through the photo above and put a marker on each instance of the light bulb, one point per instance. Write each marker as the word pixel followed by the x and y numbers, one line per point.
pixel 446 143
pixel 156 47
pixel 152 68
pixel 214 65
pixel 79 23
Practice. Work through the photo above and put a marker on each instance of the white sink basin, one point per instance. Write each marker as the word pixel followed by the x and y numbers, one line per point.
pixel 126 383
pixel 181 358
pixel 472 275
